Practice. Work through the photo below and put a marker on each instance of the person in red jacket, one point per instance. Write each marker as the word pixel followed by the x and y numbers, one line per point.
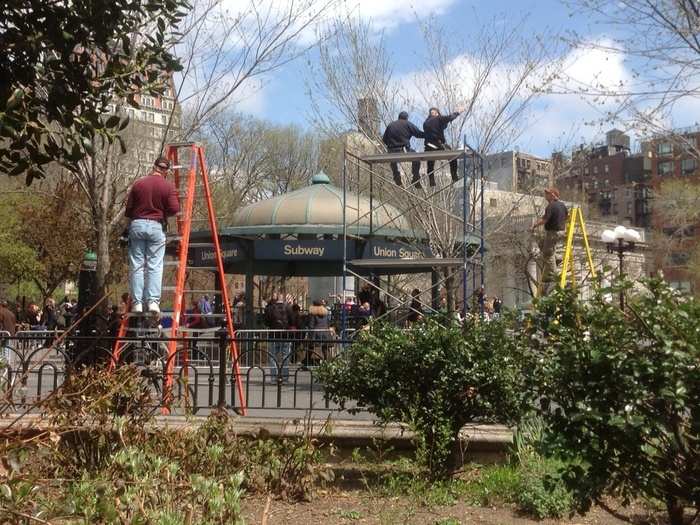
pixel 150 202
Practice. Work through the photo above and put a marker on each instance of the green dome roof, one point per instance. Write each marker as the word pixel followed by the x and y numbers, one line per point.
pixel 318 209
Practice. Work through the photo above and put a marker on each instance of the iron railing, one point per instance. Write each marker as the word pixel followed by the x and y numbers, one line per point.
pixel 277 367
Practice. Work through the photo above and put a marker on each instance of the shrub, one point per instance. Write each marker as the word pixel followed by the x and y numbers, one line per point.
pixel 620 393
pixel 97 412
pixel 434 378
pixel 540 491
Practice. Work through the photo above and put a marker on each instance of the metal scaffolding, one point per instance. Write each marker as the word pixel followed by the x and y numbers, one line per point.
pixel 366 175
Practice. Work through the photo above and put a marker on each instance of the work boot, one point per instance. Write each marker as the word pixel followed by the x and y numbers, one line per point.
pixel 397 180
pixel 416 183
pixel 431 177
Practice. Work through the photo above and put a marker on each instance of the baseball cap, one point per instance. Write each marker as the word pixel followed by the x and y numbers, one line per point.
pixel 162 162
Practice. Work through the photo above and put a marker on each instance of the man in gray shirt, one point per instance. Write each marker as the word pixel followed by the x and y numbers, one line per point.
pixel 554 221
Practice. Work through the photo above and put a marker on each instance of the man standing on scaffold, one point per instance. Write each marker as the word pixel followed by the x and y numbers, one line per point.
pixel 434 130
pixel 397 137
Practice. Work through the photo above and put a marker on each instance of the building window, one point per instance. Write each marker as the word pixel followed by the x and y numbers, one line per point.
pixel 606 168
pixel 682 286
pixel 595 170
pixel 493 203
pixel 665 167
pixel 664 148
pixel 147 101
pixel 629 209
pixel 688 165
pixel 163 119
pixel 679 258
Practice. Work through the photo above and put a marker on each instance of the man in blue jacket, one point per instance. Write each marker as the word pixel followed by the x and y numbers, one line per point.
pixel 397 137
pixel 434 131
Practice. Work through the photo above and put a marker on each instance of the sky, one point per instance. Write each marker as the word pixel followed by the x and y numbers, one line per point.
pixel 554 121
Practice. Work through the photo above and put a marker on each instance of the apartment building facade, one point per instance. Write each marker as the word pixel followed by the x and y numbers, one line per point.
pixel 157 121
pixel 676 234
pixel 611 183
pixel 517 171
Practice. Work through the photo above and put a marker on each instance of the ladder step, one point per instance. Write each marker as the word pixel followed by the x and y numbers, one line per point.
pixel 177 263
pixel 191 290
pixel 181 144
pixel 172 242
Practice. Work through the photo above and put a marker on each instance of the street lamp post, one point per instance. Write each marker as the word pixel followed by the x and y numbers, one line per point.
pixel 620 240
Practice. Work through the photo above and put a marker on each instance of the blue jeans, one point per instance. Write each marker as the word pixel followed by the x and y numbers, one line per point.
pixel 281 351
pixel 146 251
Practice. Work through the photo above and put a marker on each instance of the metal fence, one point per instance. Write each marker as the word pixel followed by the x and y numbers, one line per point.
pixel 277 367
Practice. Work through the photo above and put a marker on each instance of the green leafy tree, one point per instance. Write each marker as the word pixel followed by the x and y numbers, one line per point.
pixel 434 378
pixel 620 394
pixel 64 63
pixel 17 258
pixel 58 237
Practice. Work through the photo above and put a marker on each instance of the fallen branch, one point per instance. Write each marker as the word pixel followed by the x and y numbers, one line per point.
pixel 266 510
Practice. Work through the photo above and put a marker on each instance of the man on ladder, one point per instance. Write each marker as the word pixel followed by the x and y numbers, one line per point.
pixel 554 221
pixel 150 202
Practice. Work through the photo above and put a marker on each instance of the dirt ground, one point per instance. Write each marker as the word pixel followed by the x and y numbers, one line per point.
pixel 348 507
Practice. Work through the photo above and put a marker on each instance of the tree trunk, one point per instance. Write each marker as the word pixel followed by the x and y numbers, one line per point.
pixel 450 291
pixel 102 251
pixel 675 510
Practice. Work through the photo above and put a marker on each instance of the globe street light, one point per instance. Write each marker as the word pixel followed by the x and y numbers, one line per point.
pixel 620 240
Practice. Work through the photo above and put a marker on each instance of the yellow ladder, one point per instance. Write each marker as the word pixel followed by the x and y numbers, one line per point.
pixel 567 265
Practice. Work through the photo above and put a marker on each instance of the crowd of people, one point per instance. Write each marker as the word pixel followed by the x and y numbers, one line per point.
pixel 28 315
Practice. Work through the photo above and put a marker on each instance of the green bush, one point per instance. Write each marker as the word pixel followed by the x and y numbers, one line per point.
pixel 98 412
pixel 541 492
pixel 620 394
pixel 434 378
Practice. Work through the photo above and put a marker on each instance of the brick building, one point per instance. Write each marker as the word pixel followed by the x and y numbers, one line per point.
pixel 668 157
pixel 609 181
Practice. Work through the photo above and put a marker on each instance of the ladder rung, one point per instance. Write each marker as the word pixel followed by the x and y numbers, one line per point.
pixel 206 315
pixel 181 144
pixel 201 245
pixel 177 263
pixel 193 219
pixel 191 290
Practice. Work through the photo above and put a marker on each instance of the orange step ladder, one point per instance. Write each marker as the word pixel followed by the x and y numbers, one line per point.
pixel 187 190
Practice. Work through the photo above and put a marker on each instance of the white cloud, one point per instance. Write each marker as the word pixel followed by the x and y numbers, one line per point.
pixel 583 106
pixel 553 120
pixel 249 98
pixel 388 14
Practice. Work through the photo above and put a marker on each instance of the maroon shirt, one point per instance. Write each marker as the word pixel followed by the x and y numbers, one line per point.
pixel 152 197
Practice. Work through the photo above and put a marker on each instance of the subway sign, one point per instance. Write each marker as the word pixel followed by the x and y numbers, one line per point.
pixel 395 250
pixel 311 250
pixel 231 252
